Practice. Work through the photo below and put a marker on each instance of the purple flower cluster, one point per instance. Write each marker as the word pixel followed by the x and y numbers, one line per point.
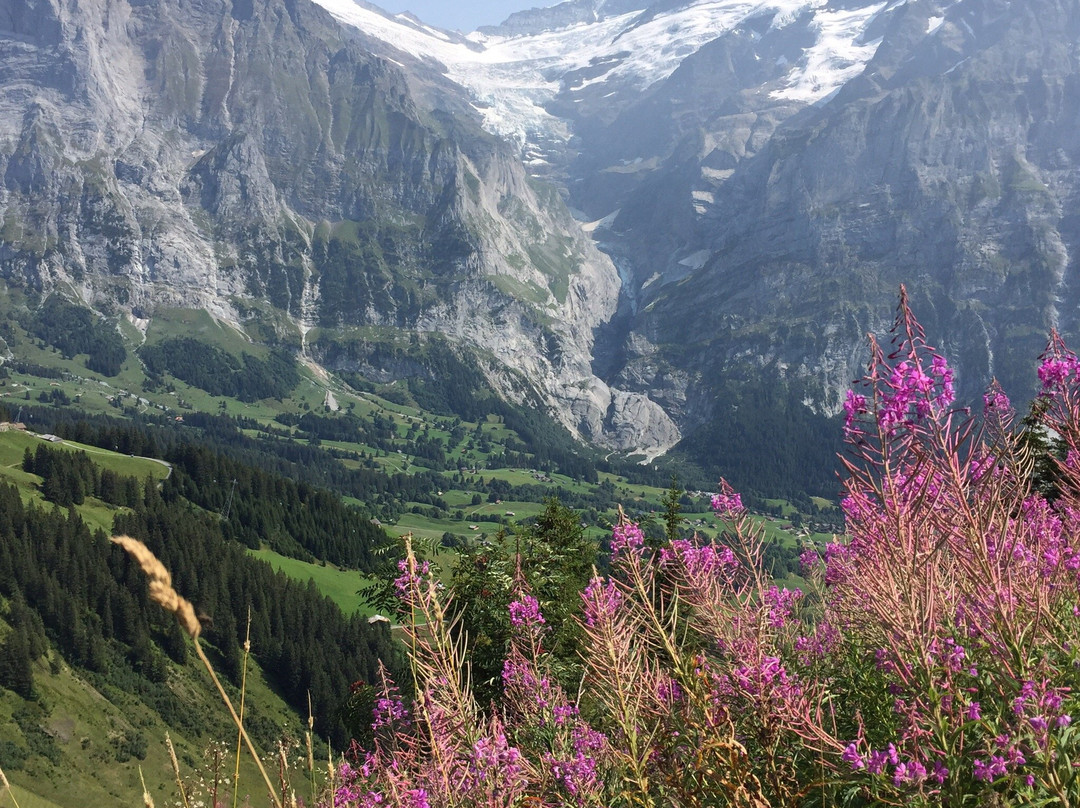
pixel 854 406
pixel 727 504
pixel 996 403
pixel 410 578
pixel 494 767
pixel 1058 371
pixel 905 771
pixel 525 612
pixel 601 601
pixel 388 711
pixel 911 394
pixel 990 769
pixel 579 774
pixel 352 792
pixel 780 604
pixel 626 537
pixel 532 690
pixel 699 561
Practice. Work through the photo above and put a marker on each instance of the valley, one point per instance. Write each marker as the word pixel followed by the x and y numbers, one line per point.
pixel 400 468
pixel 286 284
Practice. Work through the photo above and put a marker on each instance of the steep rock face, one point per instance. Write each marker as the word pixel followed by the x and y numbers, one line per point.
pixel 252 155
pixel 949 164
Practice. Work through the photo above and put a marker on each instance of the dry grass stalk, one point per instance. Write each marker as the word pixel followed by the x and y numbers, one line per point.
pixel 310 748
pixel 7 788
pixel 243 698
pixel 162 593
pixel 148 801
pixel 161 589
pixel 176 770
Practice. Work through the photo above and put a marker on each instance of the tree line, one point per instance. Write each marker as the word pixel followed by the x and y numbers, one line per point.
pixel 83 594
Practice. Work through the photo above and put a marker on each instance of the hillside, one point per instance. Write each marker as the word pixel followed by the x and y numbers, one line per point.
pixel 300 481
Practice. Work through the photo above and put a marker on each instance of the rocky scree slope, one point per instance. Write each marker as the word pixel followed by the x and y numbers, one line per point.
pixel 255 159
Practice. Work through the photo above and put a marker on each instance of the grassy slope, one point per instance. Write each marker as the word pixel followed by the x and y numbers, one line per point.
pixel 95 513
pixel 86 713
pixel 341 586
pixel 84 723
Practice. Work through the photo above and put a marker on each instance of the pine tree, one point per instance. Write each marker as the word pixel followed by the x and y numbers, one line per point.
pixel 672 510
pixel 16 673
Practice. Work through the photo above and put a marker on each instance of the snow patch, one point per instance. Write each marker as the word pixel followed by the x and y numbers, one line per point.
pixel 836 57
pixel 601 224
pixel 697 259
pixel 514 78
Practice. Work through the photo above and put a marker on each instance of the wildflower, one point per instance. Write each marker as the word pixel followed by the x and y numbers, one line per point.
pixel 780 604
pixel 601 601
pixel 851 755
pixel 875 764
pixel 973 712
pixel 727 503
pixel 940 773
pixel 626 537
pixel 854 405
pixel 525 612
pixel 995 402
pixel 809 560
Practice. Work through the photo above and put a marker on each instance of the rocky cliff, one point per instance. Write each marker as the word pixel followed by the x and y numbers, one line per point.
pixel 950 163
pixel 255 159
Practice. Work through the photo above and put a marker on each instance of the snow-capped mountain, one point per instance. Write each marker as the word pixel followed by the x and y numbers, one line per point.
pixel 527 76
pixel 765 173
pixel 760 175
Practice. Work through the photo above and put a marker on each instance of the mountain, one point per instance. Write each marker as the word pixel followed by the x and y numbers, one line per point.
pixel 657 221
pixel 947 164
pixel 254 159
pixel 766 174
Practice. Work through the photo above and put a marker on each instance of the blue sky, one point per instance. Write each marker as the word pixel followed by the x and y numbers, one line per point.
pixel 463 15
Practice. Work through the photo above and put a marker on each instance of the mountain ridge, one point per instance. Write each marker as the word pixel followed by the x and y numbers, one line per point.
pixel 218 167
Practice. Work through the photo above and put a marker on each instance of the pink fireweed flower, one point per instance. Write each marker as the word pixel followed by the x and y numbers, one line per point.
pixel 911 771
pixel 954 656
pixel 727 504
pixel 989 770
pixel 940 369
pixel 405 582
pixel 911 394
pixel 1056 372
pixel 854 406
pixel 809 560
pixel 705 561
pixel 940 773
pixel 626 538
pixel 494 767
pixel 525 612
pixel 995 402
pixel 389 711
pixel 851 756
pixel 601 600
pixel 564 713
pixel 973 712
pixel 668 690
pixel 781 604
pixel 579 774
pixel 875 763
